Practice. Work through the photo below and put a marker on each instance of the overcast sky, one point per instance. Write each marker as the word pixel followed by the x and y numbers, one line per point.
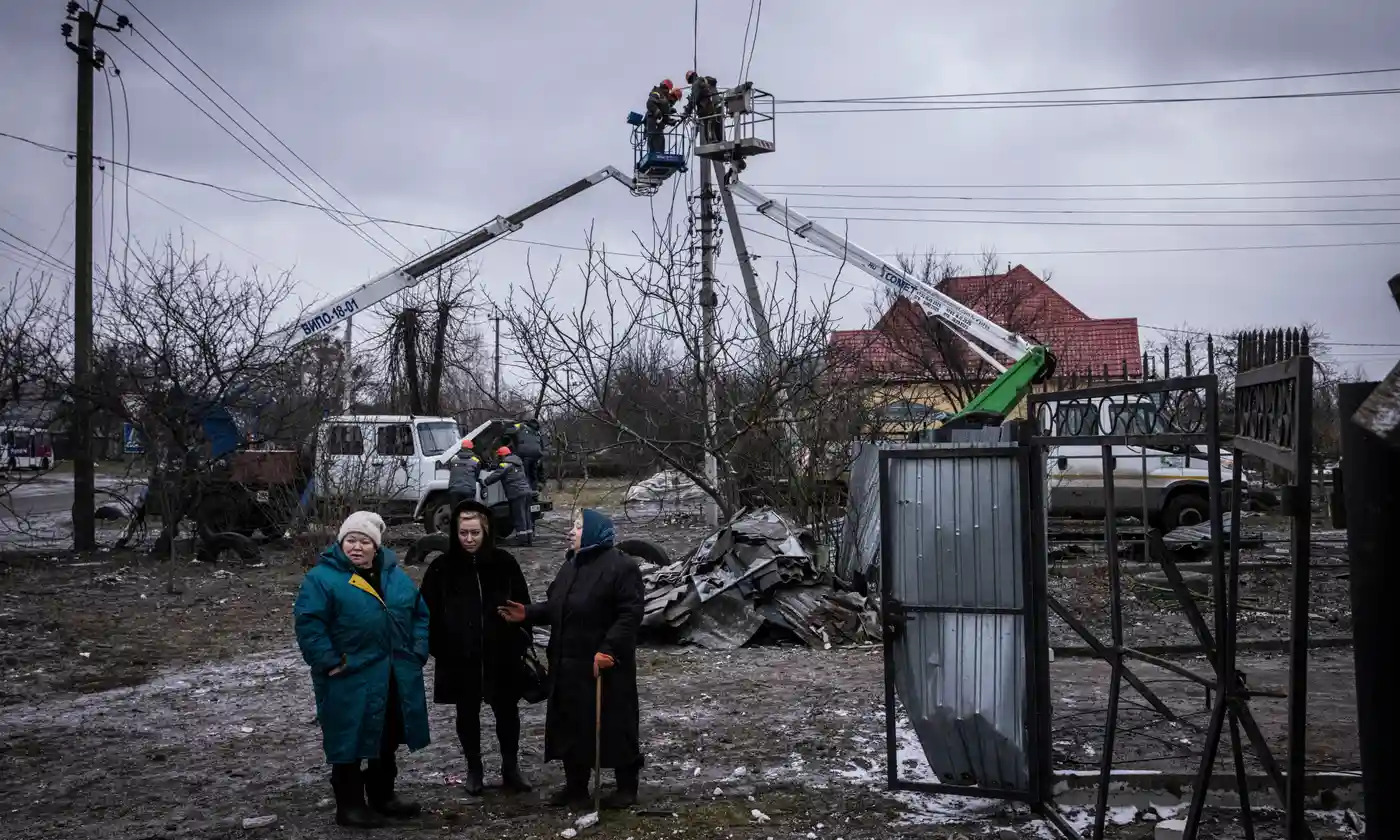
pixel 448 113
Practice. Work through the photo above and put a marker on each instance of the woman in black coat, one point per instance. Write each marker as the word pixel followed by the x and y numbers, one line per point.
pixel 478 653
pixel 593 608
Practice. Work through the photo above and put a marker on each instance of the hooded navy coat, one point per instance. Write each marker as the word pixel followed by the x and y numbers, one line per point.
pixel 478 654
pixel 594 605
pixel 341 620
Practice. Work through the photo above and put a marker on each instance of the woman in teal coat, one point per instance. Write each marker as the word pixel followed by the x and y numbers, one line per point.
pixel 363 628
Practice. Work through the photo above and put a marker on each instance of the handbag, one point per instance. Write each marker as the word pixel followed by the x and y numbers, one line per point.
pixel 534 676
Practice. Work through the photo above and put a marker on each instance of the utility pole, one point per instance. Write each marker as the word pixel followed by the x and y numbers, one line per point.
pixel 84 483
pixel 708 302
pixel 496 380
pixel 349 361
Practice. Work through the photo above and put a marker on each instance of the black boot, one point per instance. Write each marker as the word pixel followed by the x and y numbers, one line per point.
pixel 476 776
pixel 379 791
pixel 350 811
pixel 625 796
pixel 575 789
pixel 511 779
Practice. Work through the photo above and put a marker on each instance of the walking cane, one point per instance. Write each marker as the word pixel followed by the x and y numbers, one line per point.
pixel 590 820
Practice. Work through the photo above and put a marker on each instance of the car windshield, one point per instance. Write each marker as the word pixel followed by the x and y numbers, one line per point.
pixel 434 438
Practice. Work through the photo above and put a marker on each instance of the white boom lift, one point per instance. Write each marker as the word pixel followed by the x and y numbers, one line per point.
pixel 410 274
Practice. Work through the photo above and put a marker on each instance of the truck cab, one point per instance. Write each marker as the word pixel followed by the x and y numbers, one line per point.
pixel 381 462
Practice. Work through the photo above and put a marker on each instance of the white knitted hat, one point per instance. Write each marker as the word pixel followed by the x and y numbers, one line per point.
pixel 363 522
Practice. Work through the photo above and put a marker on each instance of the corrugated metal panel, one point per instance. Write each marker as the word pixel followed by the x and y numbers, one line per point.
pixel 957 543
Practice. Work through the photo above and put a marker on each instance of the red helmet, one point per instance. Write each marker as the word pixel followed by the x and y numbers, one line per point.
pixel 503 451
pixel 690 75
pixel 666 83
pixel 675 93
pixel 467 443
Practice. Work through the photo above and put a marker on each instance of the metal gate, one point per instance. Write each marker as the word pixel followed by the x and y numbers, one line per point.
pixel 966 646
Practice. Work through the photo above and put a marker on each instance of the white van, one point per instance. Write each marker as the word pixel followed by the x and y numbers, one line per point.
pixel 387 463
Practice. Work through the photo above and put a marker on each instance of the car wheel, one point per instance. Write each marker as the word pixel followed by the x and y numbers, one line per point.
pixel 648 552
pixel 1185 510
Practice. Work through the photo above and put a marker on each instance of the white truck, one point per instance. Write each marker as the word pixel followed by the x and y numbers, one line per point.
pixel 395 465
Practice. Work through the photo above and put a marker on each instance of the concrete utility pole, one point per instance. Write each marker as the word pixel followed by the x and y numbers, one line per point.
pixel 348 360
pixel 84 483
pixel 496 380
pixel 708 302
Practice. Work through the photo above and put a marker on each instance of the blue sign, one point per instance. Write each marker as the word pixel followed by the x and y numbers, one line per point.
pixel 131 440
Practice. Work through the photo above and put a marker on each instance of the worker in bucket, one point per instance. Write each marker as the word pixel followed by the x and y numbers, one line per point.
pixel 513 480
pixel 703 103
pixel 660 113
pixel 465 473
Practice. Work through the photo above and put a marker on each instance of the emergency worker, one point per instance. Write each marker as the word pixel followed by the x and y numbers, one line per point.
pixel 530 447
pixel 463 478
pixel 660 111
pixel 703 102
pixel 511 474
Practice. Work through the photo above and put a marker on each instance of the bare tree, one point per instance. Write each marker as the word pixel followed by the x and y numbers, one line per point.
pixel 429 354
pixel 32 338
pixel 192 357
pixel 626 364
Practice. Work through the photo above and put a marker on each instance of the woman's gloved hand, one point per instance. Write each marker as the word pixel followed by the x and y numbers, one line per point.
pixel 602 662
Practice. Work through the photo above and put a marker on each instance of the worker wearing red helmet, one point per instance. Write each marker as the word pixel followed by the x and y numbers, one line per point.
pixel 516 483
pixel 660 113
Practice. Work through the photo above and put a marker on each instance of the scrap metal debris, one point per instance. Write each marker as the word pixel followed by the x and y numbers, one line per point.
pixel 671 486
pixel 758 573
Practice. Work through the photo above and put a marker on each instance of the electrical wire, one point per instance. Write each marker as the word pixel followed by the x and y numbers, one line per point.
pixel 747 66
pixel 1016 105
pixel 110 173
pixel 1082 212
pixel 253 197
pixel 254 117
pixel 32 251
pixel 1043 91
pixel 1085 198
pixel 1099 224
pixel 126 199
pixel 1143 185
pixel 303 188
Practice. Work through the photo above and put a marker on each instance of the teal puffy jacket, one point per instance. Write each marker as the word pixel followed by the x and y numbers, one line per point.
pixel 340 619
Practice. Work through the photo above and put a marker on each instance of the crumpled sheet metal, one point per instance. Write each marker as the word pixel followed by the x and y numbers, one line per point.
pixel 759 570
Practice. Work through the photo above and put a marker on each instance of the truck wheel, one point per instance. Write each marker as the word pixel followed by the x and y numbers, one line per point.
pixel 437 515
pixel 647 552
pixel 424 548
pixel 1185 509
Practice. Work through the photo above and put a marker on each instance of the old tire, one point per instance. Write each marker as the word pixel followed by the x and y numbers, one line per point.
pixel 425 547
pixel 1185 509
pixel 647 552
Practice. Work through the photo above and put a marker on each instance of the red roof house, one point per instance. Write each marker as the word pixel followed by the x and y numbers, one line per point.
pixel 904 346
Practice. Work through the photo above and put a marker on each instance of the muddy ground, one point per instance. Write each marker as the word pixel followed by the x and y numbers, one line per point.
pixel 129 711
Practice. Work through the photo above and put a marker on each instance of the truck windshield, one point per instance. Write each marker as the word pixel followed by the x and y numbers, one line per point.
pixel 434 438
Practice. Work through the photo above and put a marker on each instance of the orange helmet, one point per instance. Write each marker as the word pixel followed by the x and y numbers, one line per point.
pixel 467 443
pixel 666 83
pixel 503 451
pixel 676 93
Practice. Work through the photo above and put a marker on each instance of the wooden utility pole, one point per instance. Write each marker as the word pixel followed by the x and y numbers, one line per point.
pixel 708 302
pixel 84 482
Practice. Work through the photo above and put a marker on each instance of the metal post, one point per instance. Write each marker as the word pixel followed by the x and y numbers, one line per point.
pixel 1301 497
pixel 708 302
pixel 84 520
pixel 1373 530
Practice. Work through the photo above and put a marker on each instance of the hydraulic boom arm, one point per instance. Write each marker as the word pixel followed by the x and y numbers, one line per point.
pixel 1031 363
pixel 409 274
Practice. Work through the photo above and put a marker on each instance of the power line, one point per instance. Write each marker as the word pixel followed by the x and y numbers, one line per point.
pixel 1098 224
pixel 747 65
pixel 1042 91
pixel 1093 198
pixel 1016 105
pixel 1144 185
pixel 303 188
pixel 1327 342
pixel 1081 212
pixel 35 252
pixel 253 116
pixel 249 196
